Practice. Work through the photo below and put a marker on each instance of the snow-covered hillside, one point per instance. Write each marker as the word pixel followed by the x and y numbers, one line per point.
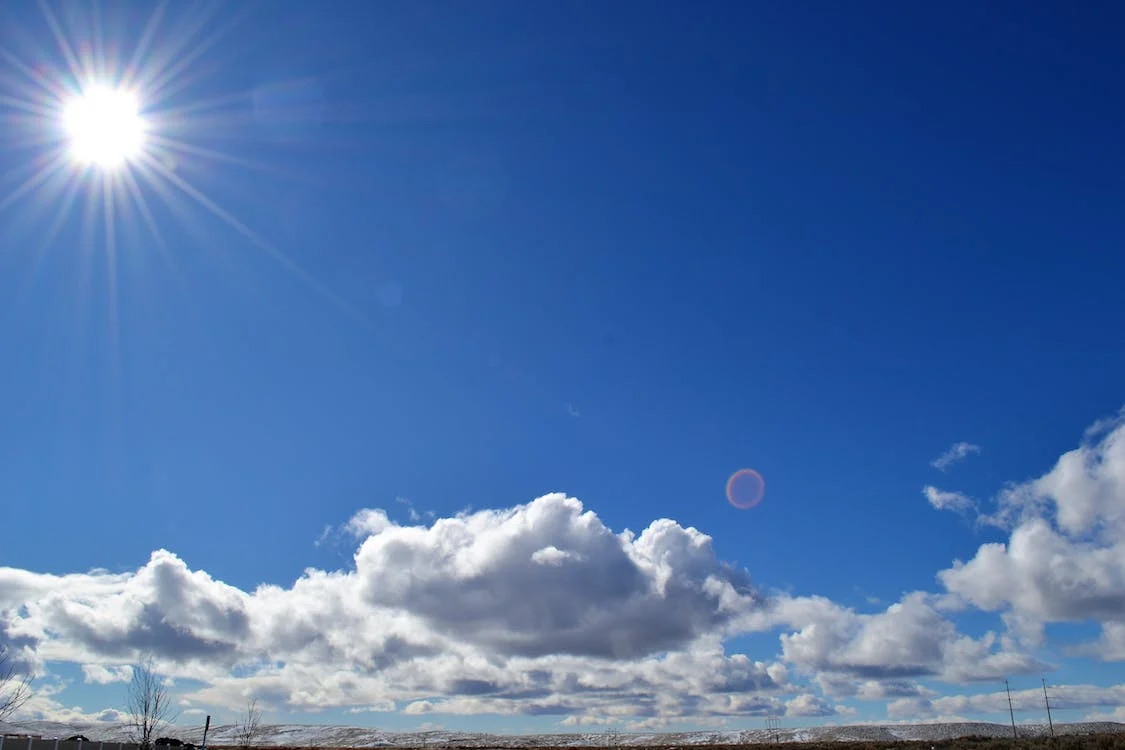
pixel 312 735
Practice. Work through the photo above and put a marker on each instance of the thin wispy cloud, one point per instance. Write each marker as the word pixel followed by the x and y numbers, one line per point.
pixel 946 500
pixel 411 512
pixel 957 452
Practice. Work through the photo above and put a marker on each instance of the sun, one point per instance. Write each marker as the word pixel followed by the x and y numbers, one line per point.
pixel 104 127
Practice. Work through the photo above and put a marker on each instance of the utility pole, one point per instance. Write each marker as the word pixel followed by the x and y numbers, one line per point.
pixel 205 728
pixel 773 724
pixel 1011 711
pixel 1048 702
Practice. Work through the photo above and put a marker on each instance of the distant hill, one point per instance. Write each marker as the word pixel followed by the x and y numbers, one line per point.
pixel 315 735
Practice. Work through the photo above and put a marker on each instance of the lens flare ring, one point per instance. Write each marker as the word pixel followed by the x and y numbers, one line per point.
pixel 745 489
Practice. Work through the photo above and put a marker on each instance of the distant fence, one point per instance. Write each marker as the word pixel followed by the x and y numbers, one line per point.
pixel 31 743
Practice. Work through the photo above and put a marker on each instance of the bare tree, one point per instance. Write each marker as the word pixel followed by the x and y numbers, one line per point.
pixel 148 704
pixel 249 726
pixel 15 688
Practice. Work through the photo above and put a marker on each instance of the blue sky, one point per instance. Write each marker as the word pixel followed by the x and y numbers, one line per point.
pixel 395 295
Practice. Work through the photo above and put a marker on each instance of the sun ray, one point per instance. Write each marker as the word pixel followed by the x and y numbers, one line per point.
pixel 275 254
pixel 110 220
pixel 144 42
pixel 57 91
pixel 67 193
pixel 179 147
pixel 72 183
pixel 168 200
pixel 76 69
pixel 170 115
pixel 158 85
pixel 146 213
pixel 58 162
pixel 101 64
pixel 32 108
pixel 87 253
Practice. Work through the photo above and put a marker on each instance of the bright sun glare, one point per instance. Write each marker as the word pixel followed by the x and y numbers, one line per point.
pixel 104 126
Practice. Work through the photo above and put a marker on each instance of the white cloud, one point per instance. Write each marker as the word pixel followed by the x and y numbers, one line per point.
pixel 551 555
pixel 541 609
pixel 617 596
pixel 1063 697
pixel 877 690
pixel 1117 714
pixel 1065 557
pixel 910 639
pixel 1111 645
pixel 1025 701
pixel 104 675
pixel 411 512
pixel 956 453
pixel 910 708
pixel 45 706
pixel 535 609
pixel 944 500
pixel 368 522
pixel 807 704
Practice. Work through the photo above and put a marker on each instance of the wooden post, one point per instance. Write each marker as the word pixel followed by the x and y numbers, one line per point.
pixel 1011 711
pixel 1048 702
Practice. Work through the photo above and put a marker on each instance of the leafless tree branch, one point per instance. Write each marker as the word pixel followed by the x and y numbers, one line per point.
pixel 15 688
pixel 148 704
pixel 249 725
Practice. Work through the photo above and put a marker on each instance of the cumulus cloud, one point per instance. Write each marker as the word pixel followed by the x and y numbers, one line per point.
pixel 616 595
pixel 957 452
pixel 1111 645
pixel 910 639
pixel 1064 559
pixel 944 500
pixel 534 610
pixel 542 610
pixel 538 609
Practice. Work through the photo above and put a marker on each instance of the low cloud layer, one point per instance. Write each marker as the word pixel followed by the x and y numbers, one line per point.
pixel 1030 701
pixel 542 610
pixel 538 609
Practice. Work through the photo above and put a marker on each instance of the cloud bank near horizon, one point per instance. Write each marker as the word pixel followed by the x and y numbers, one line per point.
pixel 542 610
